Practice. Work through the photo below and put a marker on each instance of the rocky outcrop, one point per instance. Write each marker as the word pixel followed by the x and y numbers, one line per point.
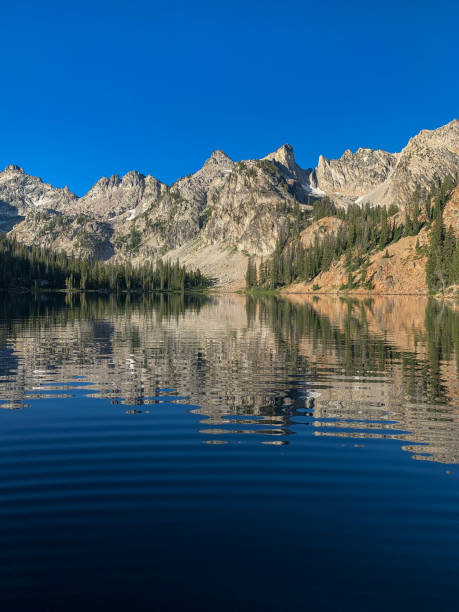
pixel 451 212
pixel 183 210
pixel 80 235
pixel 427 159
pixel 317 231
pixel 301 182
pixel 354 174
pixel 246 206
pixel 117 199
pixel 21 193
pixel 252 209
pixel 384 178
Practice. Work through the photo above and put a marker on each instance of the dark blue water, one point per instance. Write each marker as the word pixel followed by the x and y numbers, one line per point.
pixel 228 454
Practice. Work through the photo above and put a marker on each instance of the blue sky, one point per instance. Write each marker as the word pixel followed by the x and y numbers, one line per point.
pixel 99 88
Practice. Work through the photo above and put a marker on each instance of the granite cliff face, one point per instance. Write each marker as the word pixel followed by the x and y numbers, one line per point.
pixel 181 212
pixel 354 174
pixel 427 158
pixel 383 178
pixel 252 208
pixel 226 207
pixel 21 193
pixel 79 234
pixel 302 183
pixel 245 206
pixel 120 199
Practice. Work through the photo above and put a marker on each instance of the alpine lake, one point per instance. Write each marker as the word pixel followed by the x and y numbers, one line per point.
pixel 228 453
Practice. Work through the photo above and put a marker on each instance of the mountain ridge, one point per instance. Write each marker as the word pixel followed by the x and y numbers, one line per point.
pixel 246 206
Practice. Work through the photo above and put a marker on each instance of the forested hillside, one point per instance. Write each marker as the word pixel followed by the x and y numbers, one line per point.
pixel 361 232
pixel 23 267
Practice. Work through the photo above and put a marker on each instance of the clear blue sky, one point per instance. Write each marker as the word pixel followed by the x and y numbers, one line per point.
pixel 98 88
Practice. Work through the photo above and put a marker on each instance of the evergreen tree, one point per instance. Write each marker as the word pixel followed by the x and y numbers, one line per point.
pixel 435 273
pixel 455 266
pixel 449 248
pixel 384 236
pixel 251 274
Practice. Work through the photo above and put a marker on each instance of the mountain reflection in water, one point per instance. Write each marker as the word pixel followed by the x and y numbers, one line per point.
pixel 224 453
pixel 351 368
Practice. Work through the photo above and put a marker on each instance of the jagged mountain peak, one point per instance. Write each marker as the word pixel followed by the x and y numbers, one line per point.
pixel 428 157
pixel 111 198
pixel 453 124
pixel 128 180
pixel 219 157
pixel 133 173
pixel 354 174
pixel 302 182
pixel 22 193
pixel 376 176
pixel 283 155
pixel 219 162
pixel 361 152
pixel 105 182
pixel 13 168
pixel 444 136
pixel 195 187
pixel 217 165
pixel 132 179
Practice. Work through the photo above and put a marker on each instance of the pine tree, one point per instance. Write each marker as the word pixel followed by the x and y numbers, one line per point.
pixel 251 273
pixel 449 248
pixel 297 216
pixel 69 282
pixel 384 236
pixel 455 265
pixel 435 276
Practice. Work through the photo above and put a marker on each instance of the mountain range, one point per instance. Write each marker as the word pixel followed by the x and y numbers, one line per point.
pixel 222 213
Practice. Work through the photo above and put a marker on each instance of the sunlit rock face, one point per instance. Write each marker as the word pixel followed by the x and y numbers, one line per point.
pixel 183 209
pixel 386 178
pixel 354 174
pixel 251 209
pixel 428 157
pixel 21 194
pixel 78 234
pixel 120 199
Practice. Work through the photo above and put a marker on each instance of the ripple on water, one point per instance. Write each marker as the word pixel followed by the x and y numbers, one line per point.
pixel 305 454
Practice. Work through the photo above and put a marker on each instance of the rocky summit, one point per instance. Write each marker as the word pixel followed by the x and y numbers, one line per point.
pixel 222 213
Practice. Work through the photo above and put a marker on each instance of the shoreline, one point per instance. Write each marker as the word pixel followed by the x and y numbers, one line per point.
pixel 215 291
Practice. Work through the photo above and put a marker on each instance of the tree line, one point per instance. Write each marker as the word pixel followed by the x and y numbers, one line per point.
pixel 38 268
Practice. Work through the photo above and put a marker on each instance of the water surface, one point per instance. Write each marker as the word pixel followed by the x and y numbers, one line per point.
pixel 228 453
